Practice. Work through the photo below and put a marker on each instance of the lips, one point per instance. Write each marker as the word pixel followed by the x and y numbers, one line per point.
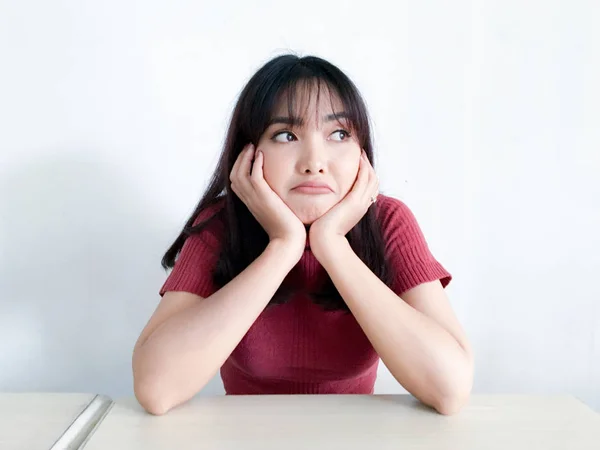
pixel 313 187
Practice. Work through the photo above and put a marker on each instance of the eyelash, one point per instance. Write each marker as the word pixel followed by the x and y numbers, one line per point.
pixel 346 132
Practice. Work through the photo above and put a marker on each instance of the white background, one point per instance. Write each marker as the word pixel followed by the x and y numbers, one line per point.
pixel 487 124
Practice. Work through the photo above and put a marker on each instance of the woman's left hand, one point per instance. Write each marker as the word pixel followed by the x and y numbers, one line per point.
pixel 340 219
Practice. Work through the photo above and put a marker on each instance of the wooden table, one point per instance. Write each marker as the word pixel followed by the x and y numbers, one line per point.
pixel 31 421
pixel 507 422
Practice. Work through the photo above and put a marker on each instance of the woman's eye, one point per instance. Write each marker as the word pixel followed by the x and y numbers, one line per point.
pixel 288 136
pixel 284 136
pixel 343 134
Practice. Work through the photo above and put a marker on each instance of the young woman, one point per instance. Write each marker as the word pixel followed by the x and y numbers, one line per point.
pixel 293 276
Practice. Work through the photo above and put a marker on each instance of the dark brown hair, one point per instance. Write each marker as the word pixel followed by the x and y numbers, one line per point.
pixel 245 239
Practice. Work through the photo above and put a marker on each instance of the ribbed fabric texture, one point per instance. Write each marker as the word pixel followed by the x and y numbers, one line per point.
pixel 298 348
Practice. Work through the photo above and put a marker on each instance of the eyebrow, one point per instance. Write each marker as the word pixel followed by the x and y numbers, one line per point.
pixel 298 121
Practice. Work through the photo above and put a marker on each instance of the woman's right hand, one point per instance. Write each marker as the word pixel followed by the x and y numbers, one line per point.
pixel 277 219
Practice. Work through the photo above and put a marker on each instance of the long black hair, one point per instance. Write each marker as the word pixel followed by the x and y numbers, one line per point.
pixel 245 239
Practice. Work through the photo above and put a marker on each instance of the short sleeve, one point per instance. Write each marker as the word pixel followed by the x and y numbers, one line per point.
pixel 411 261
pixel 194 268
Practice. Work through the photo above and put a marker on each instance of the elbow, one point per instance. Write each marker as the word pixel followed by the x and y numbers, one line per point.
pixel 456 396
pixel 451 405
pixel 147 391
pixel 149 387
pixel 158 395
pixel 454 399
pixel 448 402
pixel 159 387
pixel 151 399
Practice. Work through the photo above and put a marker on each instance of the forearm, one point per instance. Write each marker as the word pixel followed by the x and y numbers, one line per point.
pixel 186 351
pixel 425 358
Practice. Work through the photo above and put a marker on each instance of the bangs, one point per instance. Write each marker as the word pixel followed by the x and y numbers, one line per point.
pixel 298 95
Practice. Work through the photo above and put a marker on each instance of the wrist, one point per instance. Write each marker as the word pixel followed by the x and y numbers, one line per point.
pixel 325 248
pixel 286 251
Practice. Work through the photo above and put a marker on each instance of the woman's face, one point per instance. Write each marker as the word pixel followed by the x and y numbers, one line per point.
pixel 310 162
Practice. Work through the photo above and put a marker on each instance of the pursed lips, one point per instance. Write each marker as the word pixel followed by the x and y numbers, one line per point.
pixel 313 187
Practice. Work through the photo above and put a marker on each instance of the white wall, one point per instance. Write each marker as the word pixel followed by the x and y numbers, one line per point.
pixel 486 122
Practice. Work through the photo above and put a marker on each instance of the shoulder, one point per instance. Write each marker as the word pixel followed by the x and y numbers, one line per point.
pixel 400 230
pixel 393 214
pixel 390 205
pixel 411 259
pixel 213 212
pixel 207 232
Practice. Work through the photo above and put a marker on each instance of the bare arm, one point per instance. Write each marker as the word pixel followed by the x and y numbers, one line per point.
pixel 188 338
pixel 417 336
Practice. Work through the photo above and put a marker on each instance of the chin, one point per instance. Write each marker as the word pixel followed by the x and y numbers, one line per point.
pixel 308 215
pixel 308 220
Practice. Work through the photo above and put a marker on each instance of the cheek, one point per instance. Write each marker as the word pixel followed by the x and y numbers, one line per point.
pixel 274 173
pixel 346 173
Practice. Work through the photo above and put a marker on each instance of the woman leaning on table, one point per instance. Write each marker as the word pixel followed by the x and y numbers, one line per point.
pixel 294 275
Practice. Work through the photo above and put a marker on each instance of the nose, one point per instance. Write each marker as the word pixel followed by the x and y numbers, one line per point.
pixel 312 159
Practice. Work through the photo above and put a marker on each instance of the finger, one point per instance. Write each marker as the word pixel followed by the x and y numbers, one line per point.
pixel 362 181
pixel 246 162
pixel 372 182
pixel 367 158
pixel 257 176
pixel 236 166
pixel 244 170
pixel 357 192
pixel 374 189
pixel 239 183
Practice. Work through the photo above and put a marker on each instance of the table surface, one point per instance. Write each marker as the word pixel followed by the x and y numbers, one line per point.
pixel 351 422
pixel 31 421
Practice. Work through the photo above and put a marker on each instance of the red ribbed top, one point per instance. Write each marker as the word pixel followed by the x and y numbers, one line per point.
pixel 297 347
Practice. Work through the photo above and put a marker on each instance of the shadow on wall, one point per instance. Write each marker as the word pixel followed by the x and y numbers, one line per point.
pixel 79 274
